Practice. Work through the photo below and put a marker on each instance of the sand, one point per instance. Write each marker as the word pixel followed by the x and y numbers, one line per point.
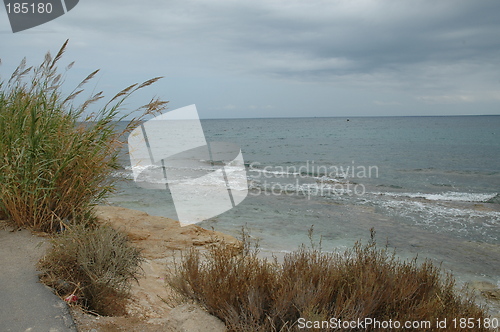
pixel 161 240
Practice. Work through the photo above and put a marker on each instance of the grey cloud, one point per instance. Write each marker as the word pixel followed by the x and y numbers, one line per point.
pixel 366 36
pixel 387 43
pixel 434 52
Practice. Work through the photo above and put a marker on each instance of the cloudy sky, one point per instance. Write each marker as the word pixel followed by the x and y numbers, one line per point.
pixel 281 58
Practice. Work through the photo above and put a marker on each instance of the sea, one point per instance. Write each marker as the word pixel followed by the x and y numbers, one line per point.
pixel 428 186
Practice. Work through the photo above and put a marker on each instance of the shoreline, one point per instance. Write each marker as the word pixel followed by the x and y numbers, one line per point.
pixel 488 293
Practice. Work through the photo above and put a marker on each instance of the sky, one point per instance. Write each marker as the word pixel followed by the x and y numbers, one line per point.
pixel 280 58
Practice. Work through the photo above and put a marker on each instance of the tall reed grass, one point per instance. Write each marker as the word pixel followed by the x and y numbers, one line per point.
pixel 56 157
pixel 252 294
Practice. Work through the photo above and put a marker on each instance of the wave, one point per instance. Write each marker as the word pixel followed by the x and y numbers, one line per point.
pixel 277 173
pixel 494 200
pixel 393 186
pixel 195 176
pixel 305 189
pixel 264 173
pixel 465 172
pixel 446 196
pixel 482 225
pixel 124 174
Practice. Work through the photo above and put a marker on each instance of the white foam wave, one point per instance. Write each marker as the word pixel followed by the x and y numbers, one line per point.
pixel 292 175
pixel 123 174
pixel 277 173
pixel 467 222
pixel 305 189
pixel 446 196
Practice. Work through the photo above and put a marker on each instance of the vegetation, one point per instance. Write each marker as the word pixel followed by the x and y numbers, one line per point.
pixel 253 294
pixel 56 157
pixel 93 266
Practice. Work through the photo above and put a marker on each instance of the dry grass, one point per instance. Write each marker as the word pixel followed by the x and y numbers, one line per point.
pixel 56 157
pixel 94 263
pixel 253 294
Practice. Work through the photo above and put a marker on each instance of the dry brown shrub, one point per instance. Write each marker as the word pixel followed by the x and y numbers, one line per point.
pixel 95 263
pixel 253 294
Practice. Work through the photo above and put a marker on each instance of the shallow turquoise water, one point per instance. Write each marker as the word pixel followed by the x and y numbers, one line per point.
pixel 432 190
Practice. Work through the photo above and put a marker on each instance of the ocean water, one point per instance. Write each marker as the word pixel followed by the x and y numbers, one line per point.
pixel 427 185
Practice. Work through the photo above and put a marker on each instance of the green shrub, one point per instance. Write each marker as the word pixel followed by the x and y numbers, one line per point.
pixel 252 294
pixel 55 158
pixel 95 263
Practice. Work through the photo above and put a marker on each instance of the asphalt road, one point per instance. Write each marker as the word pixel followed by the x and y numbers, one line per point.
pixel 25 303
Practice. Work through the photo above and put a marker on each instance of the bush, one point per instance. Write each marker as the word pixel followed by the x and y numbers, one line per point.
pixel 252 294
pixel 55 158
pixel 94 263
